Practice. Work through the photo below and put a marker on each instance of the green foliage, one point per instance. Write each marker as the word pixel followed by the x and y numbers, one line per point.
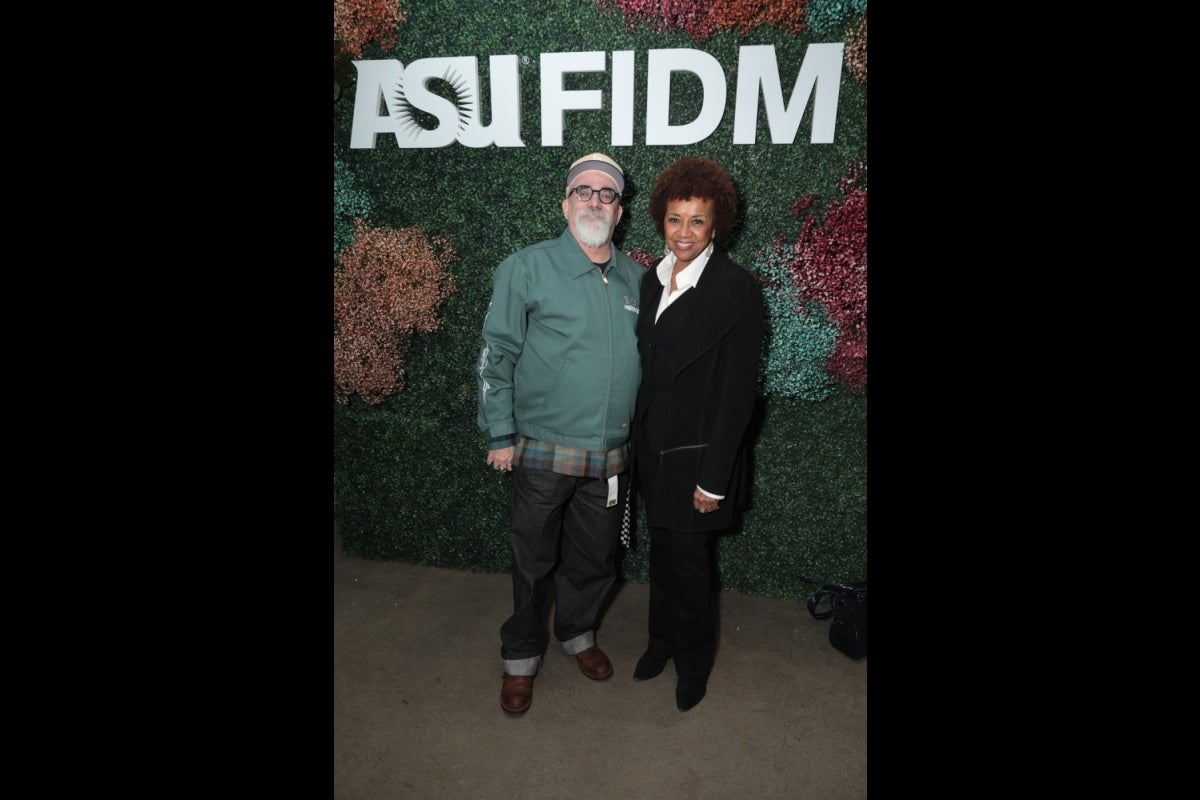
pixel 410 479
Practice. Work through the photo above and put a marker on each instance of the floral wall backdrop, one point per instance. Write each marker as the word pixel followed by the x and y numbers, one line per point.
pixel 418 231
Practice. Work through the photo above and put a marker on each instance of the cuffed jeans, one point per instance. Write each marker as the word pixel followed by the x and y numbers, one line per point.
pixel 558 519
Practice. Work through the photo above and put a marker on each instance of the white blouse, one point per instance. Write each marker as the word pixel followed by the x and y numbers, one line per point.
pixel 688 277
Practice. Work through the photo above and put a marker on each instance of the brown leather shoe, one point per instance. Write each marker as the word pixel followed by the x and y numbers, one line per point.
pixel 594 664
pixel 516 693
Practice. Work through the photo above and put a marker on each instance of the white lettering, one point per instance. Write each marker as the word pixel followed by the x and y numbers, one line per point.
pixel 622 92
pixel 658 96
pixel 402 91
pixel 375 80
pixel 393 99
pixel 557 99
pixel 756 64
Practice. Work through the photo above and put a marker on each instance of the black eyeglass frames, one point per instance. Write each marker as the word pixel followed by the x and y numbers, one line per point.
pixel 584 193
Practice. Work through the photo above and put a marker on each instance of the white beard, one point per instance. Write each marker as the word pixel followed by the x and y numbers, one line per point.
pixel 593 227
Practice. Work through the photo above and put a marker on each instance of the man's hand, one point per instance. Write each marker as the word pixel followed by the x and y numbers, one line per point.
pixel 501 459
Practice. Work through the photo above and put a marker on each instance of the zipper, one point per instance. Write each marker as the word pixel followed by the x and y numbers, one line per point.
pixel 677 449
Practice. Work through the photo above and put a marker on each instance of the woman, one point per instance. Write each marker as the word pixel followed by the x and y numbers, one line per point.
pixel 700 333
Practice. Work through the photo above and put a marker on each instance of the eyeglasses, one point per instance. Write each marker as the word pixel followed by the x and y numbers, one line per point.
pixel 584 193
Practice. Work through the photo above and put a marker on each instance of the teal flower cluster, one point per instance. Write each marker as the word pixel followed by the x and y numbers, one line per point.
pixel 349 203
pixel 828 16
pixel 800 338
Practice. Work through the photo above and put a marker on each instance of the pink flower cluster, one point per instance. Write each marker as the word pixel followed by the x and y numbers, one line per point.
pixel 643 257
pixel 387 285
pixel 700 19
pixel 830 267
pixel 690 16
pixel 356 22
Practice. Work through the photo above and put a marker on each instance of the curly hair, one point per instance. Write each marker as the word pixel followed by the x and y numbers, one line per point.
pixel 695 176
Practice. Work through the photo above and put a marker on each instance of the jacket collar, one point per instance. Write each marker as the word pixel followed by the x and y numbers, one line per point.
pixel 711 314
pixel 578 262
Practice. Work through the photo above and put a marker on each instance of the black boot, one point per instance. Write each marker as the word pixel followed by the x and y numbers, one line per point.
pixel 648 667
pixel 689 692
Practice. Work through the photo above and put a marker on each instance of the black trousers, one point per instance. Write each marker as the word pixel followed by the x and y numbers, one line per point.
pixel 682 603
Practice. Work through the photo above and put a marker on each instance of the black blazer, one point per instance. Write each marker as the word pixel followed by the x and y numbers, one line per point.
pixel 714 390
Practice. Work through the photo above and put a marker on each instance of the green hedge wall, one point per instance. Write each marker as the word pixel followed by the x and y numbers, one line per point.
pixel 410 481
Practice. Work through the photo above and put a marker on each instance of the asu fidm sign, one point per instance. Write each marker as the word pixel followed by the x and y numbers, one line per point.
pixel 389 94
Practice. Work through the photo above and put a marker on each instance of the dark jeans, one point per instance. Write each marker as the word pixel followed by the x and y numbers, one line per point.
pixel 561 533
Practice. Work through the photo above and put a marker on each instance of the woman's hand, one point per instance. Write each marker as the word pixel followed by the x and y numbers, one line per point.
pixel 703 503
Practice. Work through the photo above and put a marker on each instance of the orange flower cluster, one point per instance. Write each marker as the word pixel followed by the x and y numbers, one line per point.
pixel 356 22
pixel 744 16
pixel 387 284
pixel 856 50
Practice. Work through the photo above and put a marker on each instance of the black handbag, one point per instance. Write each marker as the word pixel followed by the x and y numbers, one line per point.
pixel 847 604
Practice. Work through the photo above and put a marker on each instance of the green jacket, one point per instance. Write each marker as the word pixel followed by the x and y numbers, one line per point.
pixel 559 361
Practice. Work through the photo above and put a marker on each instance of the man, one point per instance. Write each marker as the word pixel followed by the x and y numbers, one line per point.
pixel 558 379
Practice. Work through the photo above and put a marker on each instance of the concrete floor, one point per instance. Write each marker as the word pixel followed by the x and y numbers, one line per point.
pixel 417 715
